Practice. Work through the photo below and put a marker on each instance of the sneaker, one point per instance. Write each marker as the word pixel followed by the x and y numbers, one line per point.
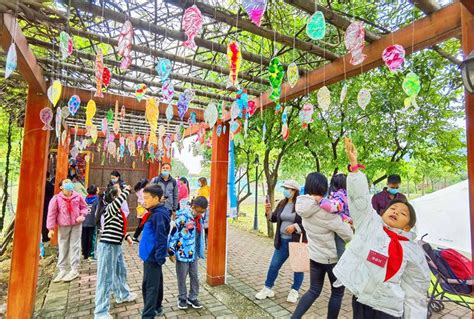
pixel 73 274
pixel 159 312
pixel 292 296
pixel 194 303
pixel 60 276
pixel 264 293
pixel 131 297
pixel 337 284
pixel 182 304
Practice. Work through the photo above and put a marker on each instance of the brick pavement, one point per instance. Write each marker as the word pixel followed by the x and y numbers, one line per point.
pixel 248 258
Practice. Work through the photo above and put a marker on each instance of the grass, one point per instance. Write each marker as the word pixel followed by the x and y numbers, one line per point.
pixel 245 219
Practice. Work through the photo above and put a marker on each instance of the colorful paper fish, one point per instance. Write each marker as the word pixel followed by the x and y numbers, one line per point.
pixel 192 25
pixel 192 118
pixel 251 108
pixel 125 42
pixel 99 72
pixel 324 98
pixel 46 116
pixel 342 97
pixel 104 125
pixel 394 56
pixel 151 114
pixel 292 74
pixel 316 26
pixel 11 63
pixel 189 94
pixel 363 98
pixel 116 126
pixel 90 112
pixel 411 86
pixel 234 111
pixel 255 9
pixel 167 92
pixel 242 100
pixel 163 68
pixel 235 59
pixel 66 45
pixel 355 41
pixel 58 122
pixel 264 131
pixel 94 133
pixel 210 114
pixel 169 113
pixel 285 131
pixel 140 91
pixel 106 76
pixel 74 104
pixel 122 113
pixel 54 92
pixel 276 72
pixel 182 105
pixel 306 114
pixel 110 116
pixel 65 112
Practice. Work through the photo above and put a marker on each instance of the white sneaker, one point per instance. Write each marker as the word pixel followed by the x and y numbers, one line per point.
pixel 292 296
pixel 73 274
pixel 131 297
pixel 60 276
pixel 264 293
pixel 337 284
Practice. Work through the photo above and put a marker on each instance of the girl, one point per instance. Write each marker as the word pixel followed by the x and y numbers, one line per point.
pixel 183 191
pixel 67 211
pixel 141 210
pixel 383 267
pixel 288 229
pixel 321 229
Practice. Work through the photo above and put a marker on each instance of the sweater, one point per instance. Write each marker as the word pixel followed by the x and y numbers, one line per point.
pixel 113 230
pixel 63 211
pixel 275 218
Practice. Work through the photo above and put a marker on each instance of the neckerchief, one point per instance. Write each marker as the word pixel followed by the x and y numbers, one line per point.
pixel 395 253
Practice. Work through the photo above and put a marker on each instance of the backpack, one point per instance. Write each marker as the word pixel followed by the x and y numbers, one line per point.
pixel 459 265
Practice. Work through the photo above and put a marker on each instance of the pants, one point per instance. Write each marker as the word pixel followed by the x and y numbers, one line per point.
pixel 340 245
pixel 139 229
pixel 111 275
pixel 278 259
pixel 206 234
pixel 361 311
pixel 152 289
pixel 317 273
pixel 87 236
pixel 93 252
pixel 69 242
pixel 182 270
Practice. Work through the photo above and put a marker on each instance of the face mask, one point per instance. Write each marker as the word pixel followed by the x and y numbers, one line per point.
pixel 165 173
pixel 393 191
pixel 68 187
pixel 114 180
pixel 287 193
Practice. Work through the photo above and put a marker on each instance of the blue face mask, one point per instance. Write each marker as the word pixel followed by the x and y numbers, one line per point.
pixel 165 173
pixel 393 191
pixel 287 193
pixel 68 187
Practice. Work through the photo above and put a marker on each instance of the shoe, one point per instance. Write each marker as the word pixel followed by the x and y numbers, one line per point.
pixel 160 312
pixel 264 293
pixel 131 297
pixel 73 274
pixel 60 276
pixel 194 303
pixel 107 316
pixel 292 296
pixel 182 304
pixel 337 284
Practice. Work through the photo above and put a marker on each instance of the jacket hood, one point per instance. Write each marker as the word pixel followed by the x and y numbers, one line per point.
pixel 90 199
pixel 160 207
pixel 74 195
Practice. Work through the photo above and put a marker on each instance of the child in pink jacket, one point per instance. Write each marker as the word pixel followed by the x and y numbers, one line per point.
pixel 67 211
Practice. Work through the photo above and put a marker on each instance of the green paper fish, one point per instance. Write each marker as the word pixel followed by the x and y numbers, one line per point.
pixel 276 72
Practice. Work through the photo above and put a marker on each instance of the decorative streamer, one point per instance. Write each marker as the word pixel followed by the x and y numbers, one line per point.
pixel 343 93
pixel 231 183
pixel 116 126
pixel 192 25
pixel 125 42
pixel 58 122
pixel 235 59
pixel 66 45
pixel 285 131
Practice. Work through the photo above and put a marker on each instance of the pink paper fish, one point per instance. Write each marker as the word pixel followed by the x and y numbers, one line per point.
pixel 394 56
pixel 192 25
pixel 99 72
pixel 255 9
pixel 125 42
pixel 355 41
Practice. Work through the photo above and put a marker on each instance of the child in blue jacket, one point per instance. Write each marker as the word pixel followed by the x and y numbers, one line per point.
pixel 186 245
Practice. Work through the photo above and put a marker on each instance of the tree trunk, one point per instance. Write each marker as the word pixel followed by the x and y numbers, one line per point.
pixel 7 172
pixel 271 195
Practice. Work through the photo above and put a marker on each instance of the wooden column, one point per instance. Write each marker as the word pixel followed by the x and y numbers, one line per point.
pixel 29 212
pixel 468 46
pixel 154 168
pixel 216 254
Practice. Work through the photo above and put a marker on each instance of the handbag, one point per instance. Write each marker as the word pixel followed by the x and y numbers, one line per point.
pixel 299 256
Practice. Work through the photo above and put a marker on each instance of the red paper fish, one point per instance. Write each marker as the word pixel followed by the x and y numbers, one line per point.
pixel 235 59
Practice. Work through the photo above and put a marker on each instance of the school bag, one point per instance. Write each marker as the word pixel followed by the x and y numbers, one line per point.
pixel 459 265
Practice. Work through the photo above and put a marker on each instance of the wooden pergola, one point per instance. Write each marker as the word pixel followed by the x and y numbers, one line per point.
pixel 319 65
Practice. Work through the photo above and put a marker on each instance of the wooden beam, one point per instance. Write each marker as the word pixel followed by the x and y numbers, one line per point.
pixel 427 6
pixel 246 25
pixel 469 5
pixel 26 61
pixel 29 210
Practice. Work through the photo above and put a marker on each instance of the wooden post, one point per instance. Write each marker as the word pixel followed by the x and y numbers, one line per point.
pixel 29 212
pixel 154 168
pixel 216 254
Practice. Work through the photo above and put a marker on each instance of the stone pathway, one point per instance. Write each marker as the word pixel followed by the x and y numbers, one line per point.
pixel 248 259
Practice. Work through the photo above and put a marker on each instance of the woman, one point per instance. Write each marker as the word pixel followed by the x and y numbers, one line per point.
pixel 204 190
pixel 289 228
pixel 321 229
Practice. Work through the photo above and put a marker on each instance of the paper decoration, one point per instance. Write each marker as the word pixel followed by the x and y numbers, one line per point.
pixel 122 113
pixel 161 130
pixel 65 112
pixel 64 136
pixel 167 92
pixel 11 63
pixel 192 25
pixel 54 92
pixel 316 26
pixel 65 45
pixel 151 115
pixel 99 72
pixel 232 193
pixel 242 101
pixel 139 142
pixel 192 118
pixel 183 102
pixel 235 127
pixel 94 133
pixel 292 74
pixel 74 152
pixel 235 59
pixel 112 149
pixel 255 9
pixel 411 86
pixel 264 131
pixel 285 131
pixel 140 90
pixel 343 93
pixel 219 130
pixel 106 75
pixel 210 114
pixel 46 116
pixel 219 109
pixel 324 98
pixel 234 111
pixel 116 126
pixel 355 41
pixel 125 42
pixel 277 108
pixel 394 56
pixel 104 125
pixel 58 122
pixel 73 104
pixel 110 116
pixel 163 68
pixel 190 94
pixel 90 112
pixel 169 113
pixel 276 73
pixel 306 114
pixel 363 98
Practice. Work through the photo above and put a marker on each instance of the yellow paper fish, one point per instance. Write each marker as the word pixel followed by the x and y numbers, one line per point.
pixel 90 112
pixel 151 115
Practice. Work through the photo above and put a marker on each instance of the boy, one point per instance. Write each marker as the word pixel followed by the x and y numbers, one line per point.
pixel 153 249
pixel 88 226
pixel 185 246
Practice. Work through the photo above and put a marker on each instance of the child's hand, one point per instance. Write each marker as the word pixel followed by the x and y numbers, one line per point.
pixel 80 219
pixel 173 259
pixel 51 233
pixel 128 188
pixel 350 151
pixel 130 240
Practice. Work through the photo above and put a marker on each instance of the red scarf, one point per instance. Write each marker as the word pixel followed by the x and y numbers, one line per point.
pixel 125 222
pixel 395 253
pixel 197 221
pixel 68 201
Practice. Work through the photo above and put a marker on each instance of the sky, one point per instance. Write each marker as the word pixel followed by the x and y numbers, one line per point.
pixel 192 163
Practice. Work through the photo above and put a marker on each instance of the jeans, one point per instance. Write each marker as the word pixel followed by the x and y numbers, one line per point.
pixel 317 273
pixel 87 237
pixel 111 275
pixel 361 311
pixel 152 289
pixel 278 259
pixel 340 245
pixel 69 242
pixel 182 270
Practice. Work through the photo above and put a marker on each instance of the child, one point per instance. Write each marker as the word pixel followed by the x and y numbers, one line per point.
pixel 111 271
pixel 141 210
pixel 383 267
pixel 153 250
pixel 88 226
pixel 185 246
pixel 67 210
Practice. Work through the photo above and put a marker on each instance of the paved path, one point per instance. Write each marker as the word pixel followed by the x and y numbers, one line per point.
pixel 248 259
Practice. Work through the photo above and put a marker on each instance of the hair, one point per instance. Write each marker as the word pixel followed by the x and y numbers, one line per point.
pixel 185 182
pixel 338 181
pixel 141 184
pixel 110 194
pixel 200 201
pixel 169 164
pixel 154 190
pixel 116 174
pixel 63 180
pixel 394 179
pixel 92 189
pixel 48 174
pixel 203 180
pixel 316 184
pixel 411 210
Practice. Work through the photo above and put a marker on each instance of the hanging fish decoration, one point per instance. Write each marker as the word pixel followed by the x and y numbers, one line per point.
pixel 11 63
pixel 219 130
pixel 363 98
pixel 394 56
pixel 316 26
pixel 163 68
pixel 354 40
pixel 151 114
pixel 74 152
pixel 343 93
pixel 73 104
pixel 292 74
pixel 192 25
pixel 46 116
pixel 169 113
pixel 234 111
pixel 122 113
pixel 122 147
pixel 183 104
pixel 324 98
pixel 106 76
pixel 110 116
pixel 277 108
pixel 167 92
pixel 219 109
pixel 255 10
pixel 65 113
pixel 190 94
pixel 90 112
pixel 139 142
pixel 99 72
pixel 264 131
pixel 94 133
pixel 125 42
pixel 192 118
pixel 242 100
pixel 54 92
pixel 306 114
pixel 411 86
pixel 235 59
pixel 140 91
pixel 210 114
pixel 276 72
pixel 285 131
pixel 116 126
pixel 66 45
pixel 104 125
pixel 251 108
pixel 58 122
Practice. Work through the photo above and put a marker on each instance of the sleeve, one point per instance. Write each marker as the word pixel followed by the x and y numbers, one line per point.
pixel 306 206
pixel 52 220
pixel 161 235
pixel 117 203
pixel 274 215
pixel 375 203
pixel 298 225
pixel 359 198
pixel 175 196
pixel 330 205
pixel 174 236
pixel 415 282
pixel 83 207
pixel 344 230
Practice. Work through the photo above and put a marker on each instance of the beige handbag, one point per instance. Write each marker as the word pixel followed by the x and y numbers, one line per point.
pixel 299 256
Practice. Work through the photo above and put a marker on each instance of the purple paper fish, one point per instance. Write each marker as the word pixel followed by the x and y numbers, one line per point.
pixel 192 25
pixel 183 104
